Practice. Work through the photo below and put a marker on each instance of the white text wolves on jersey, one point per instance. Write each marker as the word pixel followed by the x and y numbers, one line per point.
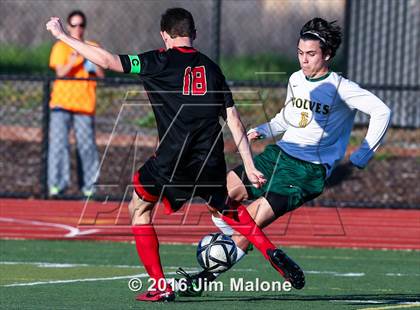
pixel 310 105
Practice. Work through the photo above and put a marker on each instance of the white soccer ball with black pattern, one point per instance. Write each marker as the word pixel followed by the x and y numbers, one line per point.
pixel 216 252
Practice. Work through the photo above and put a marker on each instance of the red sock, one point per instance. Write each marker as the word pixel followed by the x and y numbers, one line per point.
pixel 147 245
pixel 242 222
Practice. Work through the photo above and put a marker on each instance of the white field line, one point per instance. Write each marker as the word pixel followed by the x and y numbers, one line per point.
pixel 72 231
pixel 68 265
pixel 337 274
pixel 141 275
pixel 403 274
pixel 71 265
pixel 397 305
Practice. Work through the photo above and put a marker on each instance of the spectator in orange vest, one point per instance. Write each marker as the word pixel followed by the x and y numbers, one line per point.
pixel 72 105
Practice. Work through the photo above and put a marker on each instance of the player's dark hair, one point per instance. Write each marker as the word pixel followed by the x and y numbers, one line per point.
pixel 327 33
pixel 77 13
pixel 178 22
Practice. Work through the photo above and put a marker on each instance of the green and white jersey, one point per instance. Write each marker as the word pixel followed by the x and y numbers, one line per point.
pixel 318 118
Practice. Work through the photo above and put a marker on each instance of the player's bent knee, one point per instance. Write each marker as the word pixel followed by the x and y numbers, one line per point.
pixel 236 187
pixel 278 203
pixel 237 194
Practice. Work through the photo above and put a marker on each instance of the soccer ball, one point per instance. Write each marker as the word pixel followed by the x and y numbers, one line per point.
pixel 216 252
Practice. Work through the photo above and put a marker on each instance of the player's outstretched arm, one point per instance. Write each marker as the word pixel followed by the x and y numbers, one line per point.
pixel 239 135
pixel 95 54
pixel 380 117
pixel 276 126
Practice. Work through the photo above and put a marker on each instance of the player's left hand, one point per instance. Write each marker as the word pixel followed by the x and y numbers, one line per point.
pixel 54 26
pixel 256 178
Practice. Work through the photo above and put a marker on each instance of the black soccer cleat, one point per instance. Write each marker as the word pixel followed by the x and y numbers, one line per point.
pixel 287 268
pixel 193 285
pixel 190 286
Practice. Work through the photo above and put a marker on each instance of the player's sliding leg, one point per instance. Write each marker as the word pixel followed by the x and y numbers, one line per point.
pixel 239 218
pixel 263 213
pixel 147 246
pixel 242 222
pixel 265 210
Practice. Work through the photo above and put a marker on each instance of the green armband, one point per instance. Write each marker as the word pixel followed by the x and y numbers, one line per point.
pixel 135 64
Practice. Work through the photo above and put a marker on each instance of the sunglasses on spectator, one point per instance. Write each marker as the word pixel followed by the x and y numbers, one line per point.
pixel 82 25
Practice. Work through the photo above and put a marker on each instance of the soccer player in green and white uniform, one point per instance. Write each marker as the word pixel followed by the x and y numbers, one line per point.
pixel 316 123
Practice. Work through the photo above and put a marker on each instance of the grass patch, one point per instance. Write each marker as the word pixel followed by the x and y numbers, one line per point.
pixel 15 59
pixel 262 67
pixel 336 278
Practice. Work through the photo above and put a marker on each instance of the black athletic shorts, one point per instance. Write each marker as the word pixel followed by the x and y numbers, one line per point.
pixel 173 196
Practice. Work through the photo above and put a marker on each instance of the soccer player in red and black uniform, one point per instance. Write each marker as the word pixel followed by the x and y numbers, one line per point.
pixel 188 93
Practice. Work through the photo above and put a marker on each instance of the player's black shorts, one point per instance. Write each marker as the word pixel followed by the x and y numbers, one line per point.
pixel 173 196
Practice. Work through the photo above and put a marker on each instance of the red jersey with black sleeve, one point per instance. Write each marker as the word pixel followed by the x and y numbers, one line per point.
pixel 188 94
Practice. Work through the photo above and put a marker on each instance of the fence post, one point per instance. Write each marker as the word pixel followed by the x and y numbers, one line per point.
pixel 46 90
pixel 215 30
pixel 347 24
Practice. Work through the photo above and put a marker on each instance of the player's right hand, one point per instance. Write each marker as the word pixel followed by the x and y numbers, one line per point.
pixel 253 134
pixel 54 26
pixel 256 177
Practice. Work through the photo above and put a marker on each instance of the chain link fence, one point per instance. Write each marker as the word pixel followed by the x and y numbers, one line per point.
pixel 126 137
pixel 255 43
pixel 383 40
pixel 248 37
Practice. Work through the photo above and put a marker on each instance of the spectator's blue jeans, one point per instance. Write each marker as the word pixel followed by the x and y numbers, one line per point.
pixel 59 149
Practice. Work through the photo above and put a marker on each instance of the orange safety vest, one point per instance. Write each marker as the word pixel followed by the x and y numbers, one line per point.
pixel 74 96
